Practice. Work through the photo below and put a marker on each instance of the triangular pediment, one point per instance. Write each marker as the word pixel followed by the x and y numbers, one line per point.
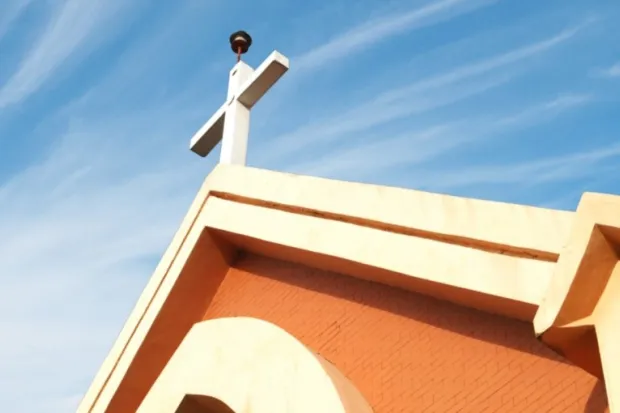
pixel 491 256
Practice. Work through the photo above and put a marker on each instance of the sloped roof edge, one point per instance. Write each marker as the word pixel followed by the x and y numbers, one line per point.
pixel 509 228
pixel 522 231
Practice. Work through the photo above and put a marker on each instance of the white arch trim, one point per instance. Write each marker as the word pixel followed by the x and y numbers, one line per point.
pixel 252 366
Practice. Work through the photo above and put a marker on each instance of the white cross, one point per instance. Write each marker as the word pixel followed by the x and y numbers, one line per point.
pixel 231 122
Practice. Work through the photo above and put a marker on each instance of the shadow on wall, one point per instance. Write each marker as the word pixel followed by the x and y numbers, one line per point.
pixel 515 334
pixel 596 401
pixel 328 311
pixel 193 403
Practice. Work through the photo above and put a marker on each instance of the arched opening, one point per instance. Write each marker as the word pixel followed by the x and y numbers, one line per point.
pixel 193 403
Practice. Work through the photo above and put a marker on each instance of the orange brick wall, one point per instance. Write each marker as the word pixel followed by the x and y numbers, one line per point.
pixel 406 352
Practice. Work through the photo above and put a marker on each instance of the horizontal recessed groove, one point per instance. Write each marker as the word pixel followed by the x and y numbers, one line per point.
pixel 486 246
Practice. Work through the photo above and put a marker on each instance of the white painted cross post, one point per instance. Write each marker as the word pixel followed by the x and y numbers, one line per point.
pixel 231 122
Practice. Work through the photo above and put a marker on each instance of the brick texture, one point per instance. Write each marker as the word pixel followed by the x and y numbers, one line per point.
pixel 406 352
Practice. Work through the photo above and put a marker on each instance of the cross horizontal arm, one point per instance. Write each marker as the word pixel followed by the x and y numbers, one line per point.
pixel 231 121
pixel 263 78
pixel 210 134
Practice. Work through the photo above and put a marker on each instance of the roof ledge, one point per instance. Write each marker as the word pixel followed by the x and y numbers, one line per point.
pixel 580 312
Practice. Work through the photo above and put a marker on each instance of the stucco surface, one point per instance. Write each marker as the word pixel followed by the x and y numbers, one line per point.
pixel 253 367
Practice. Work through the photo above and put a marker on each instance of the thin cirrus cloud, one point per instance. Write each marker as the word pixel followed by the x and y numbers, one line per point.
pixel 612 71
pixel 10 10
pixel 564 167
pixel 378 153
pixel 94 211
pixel 369 33
pixel 70 32
pixel 484 66
pixel 90 221
pixel 363 117
pixel 406 100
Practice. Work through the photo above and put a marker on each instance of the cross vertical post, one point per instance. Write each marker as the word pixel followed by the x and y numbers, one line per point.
pixel 237 126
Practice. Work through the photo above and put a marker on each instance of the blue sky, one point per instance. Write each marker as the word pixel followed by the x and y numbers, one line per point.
pixel 515 101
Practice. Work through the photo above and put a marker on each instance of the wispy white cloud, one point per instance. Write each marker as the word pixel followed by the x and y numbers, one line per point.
pixel 543 111
pixel 372 32
pixel 365 116
pixel 418 97
pixel 80 232
pixel 485 66
pixel 601 176
pixel 611 71
pixel 532 172
pixel 379 153
pixel 74 27
pixel 9 11
pixel 83 228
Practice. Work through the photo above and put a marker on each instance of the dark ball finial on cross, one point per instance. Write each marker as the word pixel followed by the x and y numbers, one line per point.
pixel 240 42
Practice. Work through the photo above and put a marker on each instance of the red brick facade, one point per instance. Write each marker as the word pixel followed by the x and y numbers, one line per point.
pixel 406 352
